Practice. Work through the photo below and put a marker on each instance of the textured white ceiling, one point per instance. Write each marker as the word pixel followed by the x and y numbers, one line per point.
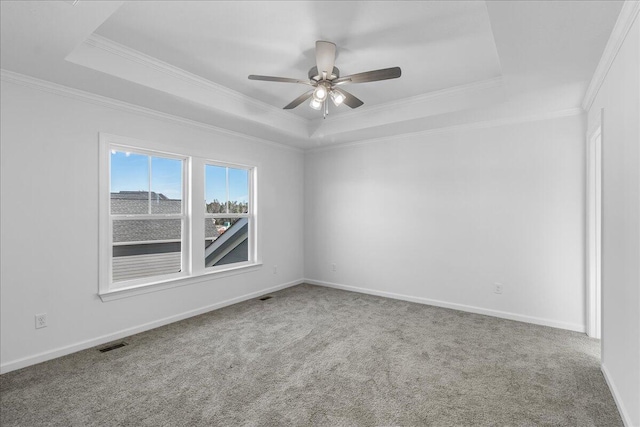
pixel 459 60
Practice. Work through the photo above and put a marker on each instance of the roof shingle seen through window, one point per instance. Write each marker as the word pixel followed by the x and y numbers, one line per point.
pixel 137 203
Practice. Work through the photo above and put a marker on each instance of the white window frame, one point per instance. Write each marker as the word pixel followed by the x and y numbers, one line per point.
pixel 193 217
pixel 250 215
pixel 184 237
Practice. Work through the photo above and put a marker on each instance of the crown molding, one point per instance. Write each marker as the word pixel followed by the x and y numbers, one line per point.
pixel 628 15
pixel 109 57
pixel 103 101
pixel 109 45
pixel 472 95
pixel 417 100
pixel 459 127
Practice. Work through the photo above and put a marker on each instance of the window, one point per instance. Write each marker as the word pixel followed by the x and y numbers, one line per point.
pixel 227 215
pixel 152 231
pixel 147 215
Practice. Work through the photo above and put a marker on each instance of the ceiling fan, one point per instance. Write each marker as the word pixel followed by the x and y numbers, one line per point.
pixel 325 80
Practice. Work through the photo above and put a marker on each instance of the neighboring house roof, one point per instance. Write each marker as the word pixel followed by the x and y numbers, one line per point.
pixel 138 202
pixel 230 247
pixel 143 202
pixel 146 230
pixel 146 259
pixel 138 195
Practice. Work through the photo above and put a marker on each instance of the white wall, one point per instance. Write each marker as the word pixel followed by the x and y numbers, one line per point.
pixel 49 223
pixel 439 218
pixel 619 96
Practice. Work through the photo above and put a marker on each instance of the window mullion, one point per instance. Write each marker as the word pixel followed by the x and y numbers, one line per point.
pixel 149 189
pixel 227 185
pixel 197 215
pixel 127 258
pixel 146 216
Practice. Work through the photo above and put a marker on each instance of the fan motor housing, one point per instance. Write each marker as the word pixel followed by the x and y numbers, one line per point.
pixel 314 75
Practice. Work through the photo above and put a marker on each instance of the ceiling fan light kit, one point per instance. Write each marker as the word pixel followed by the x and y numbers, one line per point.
pixel 315 104
pixel 324 77
pixel 320 94
pixel 337 97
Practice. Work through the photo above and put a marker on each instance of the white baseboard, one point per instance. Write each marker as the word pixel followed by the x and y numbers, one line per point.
pixel 63 351
pixel 626 419
pixel 468 308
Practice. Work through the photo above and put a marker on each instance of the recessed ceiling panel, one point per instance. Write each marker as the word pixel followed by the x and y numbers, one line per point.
pixel 438 45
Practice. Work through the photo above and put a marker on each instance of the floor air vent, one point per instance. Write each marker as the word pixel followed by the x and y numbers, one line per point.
pixel 266 298
pixel 112 347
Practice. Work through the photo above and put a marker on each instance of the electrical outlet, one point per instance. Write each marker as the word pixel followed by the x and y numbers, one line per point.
pixel 497 288
pixel 41 320
pixel 333 267
pixel 275 269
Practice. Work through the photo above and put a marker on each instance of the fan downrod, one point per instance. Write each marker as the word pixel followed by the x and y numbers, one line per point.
pixel 315 76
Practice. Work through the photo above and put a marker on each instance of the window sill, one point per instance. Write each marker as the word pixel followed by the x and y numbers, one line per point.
pixel 120 293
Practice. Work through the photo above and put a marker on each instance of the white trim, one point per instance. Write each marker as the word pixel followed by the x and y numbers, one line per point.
pixel 414 101
pixel 593 230
pixel 83 345
pixel 107 143
pixel 464 97
pixel 133 217
pixel 459 127
pixel 170 283
pixel 624 414
pixel 120 61
pixel 455 306
pixel 192 254
pixel 103 101
pixel 107 45
pixel 54 88
pixel 627 16
pixel 143 242
pixel 104 213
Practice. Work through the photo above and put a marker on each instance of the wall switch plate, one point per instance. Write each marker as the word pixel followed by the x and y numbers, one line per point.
pixel 41 320
pixel 333 267
pixel 497 288
pixel 275 269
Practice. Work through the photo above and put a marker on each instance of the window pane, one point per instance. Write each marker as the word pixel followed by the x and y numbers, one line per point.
pixel 226 241
pixel 129 183
pixel 144 248
pixel 166 186
pixel 215 189
pixel 238 190
pixel 146 230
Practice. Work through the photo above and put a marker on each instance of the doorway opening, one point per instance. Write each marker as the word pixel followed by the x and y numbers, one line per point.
pixel 594 234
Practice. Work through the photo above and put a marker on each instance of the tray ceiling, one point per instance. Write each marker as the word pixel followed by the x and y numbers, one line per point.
pixel 192 58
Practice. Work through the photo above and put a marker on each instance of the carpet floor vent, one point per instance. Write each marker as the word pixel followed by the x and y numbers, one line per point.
pixel 266 298
pixel 112 347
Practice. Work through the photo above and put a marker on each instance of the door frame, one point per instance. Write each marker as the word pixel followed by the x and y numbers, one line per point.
pixel 594 230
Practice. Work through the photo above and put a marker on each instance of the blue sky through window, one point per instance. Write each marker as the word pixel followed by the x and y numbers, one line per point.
pixel 216 184
pixel 130 172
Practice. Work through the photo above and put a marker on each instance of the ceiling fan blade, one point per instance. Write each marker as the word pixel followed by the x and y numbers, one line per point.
pixel 299 100
pixel 279 79
pixel 370 76
pixel 325 57
pixel 349 99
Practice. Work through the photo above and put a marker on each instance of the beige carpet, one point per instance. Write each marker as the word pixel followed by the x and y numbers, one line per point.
pixel 319 356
